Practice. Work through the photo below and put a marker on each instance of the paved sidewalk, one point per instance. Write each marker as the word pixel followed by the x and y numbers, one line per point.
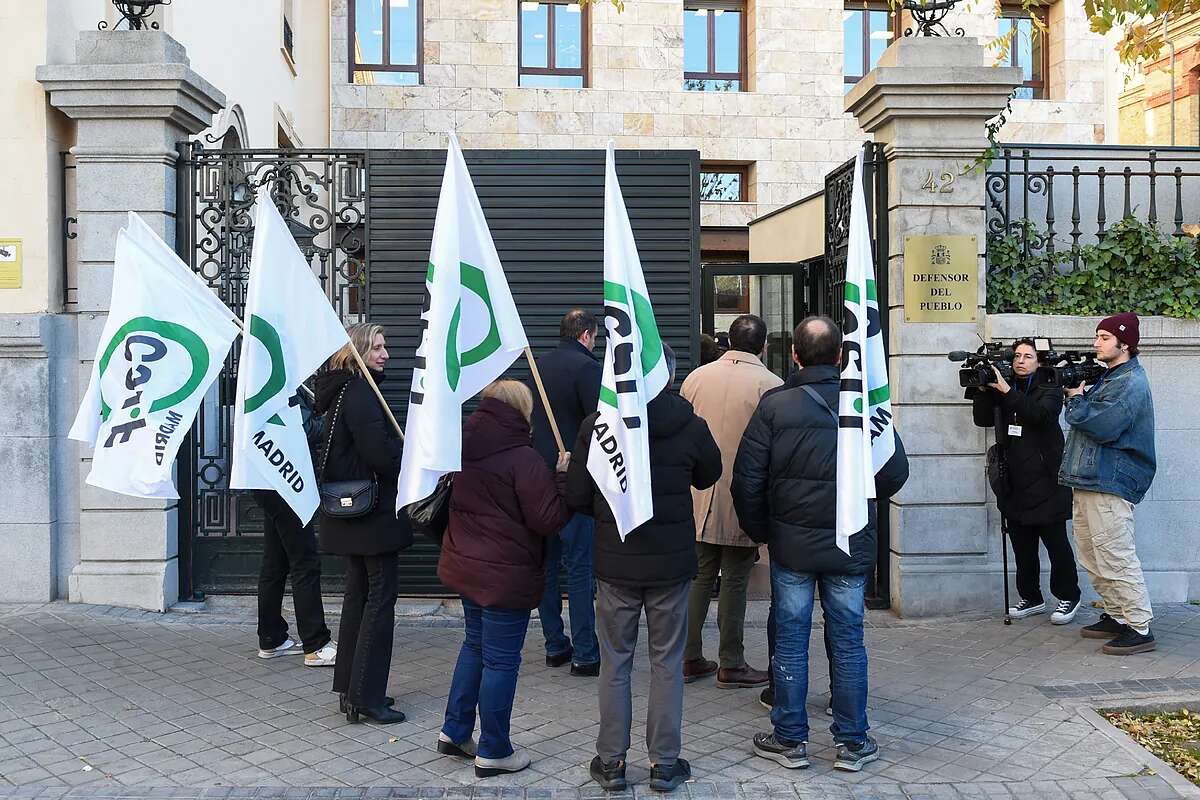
pixel 99 702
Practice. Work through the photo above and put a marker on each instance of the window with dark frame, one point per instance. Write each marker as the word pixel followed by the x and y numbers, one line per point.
pixel 386 40
pixel 731 294
pixel 867 30
pixel 723 183
pixel 714 46
pixel 553 44
pixel 1027 48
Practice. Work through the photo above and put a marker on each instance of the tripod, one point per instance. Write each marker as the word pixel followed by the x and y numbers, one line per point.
pixel 1002 461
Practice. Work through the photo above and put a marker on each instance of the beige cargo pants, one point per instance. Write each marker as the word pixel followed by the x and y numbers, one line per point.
pixel 1103 528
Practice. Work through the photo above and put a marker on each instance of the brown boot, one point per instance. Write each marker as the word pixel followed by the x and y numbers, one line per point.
pixel 741 678
pixel 698 668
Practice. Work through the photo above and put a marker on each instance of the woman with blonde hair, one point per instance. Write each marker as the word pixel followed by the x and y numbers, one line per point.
pixel 360 443
pixel 504 504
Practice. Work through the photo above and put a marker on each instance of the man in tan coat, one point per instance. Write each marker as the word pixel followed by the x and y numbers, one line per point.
pixel 725 394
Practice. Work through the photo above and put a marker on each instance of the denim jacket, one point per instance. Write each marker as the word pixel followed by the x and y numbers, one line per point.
pixel 1110 447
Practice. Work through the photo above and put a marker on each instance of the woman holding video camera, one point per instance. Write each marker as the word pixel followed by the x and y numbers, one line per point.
pixel 1036 506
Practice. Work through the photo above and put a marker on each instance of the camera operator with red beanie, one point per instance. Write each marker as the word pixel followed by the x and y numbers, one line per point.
pixel 1109 462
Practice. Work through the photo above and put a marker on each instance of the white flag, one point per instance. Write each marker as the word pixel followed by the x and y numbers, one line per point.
pixel 162 346
pixel 471 333
pixel 866 434
pixel 635 370
pixel 290 330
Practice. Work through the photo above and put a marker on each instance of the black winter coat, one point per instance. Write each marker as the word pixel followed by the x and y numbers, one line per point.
pixel 683 456
pixel 504 504
pixel 1035 496
pixel 571 376
pixel 785 479
pixel 362 444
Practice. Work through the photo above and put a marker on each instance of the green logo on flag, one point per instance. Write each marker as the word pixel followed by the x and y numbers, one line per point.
pixel 472 278
pixel 269 337
pixel 149 333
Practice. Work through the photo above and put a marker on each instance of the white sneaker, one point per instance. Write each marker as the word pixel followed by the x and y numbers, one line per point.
pixel 1025 609
pixel 325 657
pixel 287 648
pixel 488 767
pixel 1065 612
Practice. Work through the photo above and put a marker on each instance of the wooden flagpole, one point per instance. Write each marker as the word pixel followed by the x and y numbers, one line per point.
pixel 537 379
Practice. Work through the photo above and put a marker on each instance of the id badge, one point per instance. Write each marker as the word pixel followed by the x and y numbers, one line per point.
pixel 1014 430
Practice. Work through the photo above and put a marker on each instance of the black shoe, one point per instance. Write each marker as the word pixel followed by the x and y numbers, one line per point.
pixel 852 758
pixel 791 756
pixel 1129 643
pixel 611 777
pixel 668 779
pixel 342 705
pixel 586 670
pixel 766 698
pixel 558 659
pixel 1105 628
pixel 381 714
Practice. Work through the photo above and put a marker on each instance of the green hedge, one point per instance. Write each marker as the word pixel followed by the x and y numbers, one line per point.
pixel 1134 267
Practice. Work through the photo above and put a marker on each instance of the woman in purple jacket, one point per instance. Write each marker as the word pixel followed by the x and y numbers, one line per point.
pixel 504 504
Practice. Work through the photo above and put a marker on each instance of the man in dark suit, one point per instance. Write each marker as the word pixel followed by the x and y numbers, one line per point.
pixel 571 376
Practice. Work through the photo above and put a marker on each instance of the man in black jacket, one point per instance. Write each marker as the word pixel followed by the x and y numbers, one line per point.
pixel 785 494
pixel 652 569
pixel 1035 505
pixel 571 376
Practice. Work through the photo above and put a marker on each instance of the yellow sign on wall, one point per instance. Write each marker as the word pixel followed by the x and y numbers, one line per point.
pixel 941 278
pixel 10 263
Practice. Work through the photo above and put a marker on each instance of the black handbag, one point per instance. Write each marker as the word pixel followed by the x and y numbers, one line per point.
pixel 345 499
pixel 431 516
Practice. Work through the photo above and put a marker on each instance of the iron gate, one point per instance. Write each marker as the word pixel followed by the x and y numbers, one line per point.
pixel 322 196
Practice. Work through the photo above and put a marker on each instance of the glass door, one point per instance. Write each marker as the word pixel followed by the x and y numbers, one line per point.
pixel 775 292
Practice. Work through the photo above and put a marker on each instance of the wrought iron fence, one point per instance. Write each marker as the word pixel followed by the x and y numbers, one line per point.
pixel 829 284
pixel 1060 198
pixel 322 196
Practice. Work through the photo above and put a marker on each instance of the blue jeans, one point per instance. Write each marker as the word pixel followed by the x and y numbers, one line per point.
pixel 574 545
pixel 842 602
pixel 486 677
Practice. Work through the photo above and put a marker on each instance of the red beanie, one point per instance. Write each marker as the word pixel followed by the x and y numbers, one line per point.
pixel 1123 326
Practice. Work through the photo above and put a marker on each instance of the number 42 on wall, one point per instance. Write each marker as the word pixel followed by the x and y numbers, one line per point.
pixel 943 184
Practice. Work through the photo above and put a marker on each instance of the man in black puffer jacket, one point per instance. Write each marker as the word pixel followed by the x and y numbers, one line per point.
pixel 1035 505
pixel 652 569
pixel 785 494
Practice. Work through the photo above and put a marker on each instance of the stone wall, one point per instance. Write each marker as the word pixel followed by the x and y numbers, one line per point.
pixel 1167 519
pixel 791 126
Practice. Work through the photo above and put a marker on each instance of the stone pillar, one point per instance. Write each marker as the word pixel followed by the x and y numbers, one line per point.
pixel 133 97
pixel 927 103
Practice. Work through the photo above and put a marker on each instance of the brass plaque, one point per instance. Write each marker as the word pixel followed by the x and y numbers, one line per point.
pixel 10 263
pixel 941 279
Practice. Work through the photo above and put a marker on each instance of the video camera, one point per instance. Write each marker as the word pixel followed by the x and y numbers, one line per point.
pixel 977 367
pixel 1069 369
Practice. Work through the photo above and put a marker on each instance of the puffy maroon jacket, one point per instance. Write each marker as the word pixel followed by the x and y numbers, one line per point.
pixel 504 504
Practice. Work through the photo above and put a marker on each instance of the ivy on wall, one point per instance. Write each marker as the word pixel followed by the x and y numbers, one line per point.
pixel 1134 267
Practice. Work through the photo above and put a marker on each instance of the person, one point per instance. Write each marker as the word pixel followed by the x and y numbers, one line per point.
pixel 725 394
pixel 571 377
pixel 650 570
pixel 785 494
pixel 362 444
pixel 710 351
pixel 1035 505
pixel 290 548
pixel 503 506
pixel 1110 463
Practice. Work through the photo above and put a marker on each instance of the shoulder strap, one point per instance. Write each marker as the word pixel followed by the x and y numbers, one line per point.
pixel 815 395
pixel 329 440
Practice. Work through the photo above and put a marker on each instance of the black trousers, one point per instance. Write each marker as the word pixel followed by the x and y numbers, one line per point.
pixel 1064 578
pixel 368 624
pixel 289 548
